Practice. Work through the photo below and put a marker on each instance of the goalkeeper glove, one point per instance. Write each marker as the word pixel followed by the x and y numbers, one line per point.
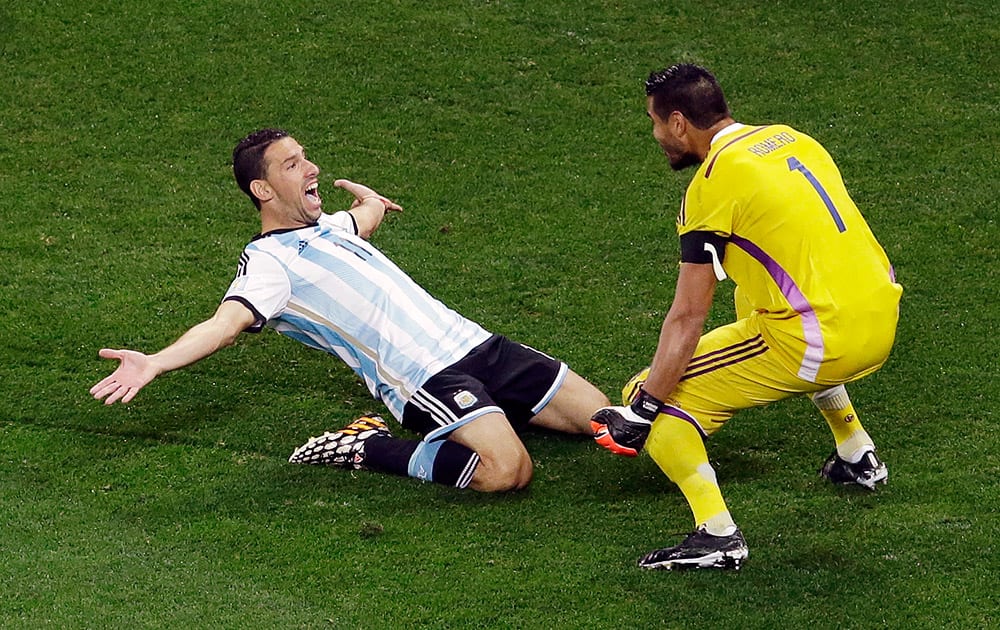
pixel 623 430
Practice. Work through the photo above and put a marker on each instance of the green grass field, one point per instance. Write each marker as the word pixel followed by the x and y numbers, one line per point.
pixel 537 203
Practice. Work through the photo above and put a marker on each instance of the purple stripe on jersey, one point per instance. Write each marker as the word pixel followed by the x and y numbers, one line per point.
pixel 809 367
pixel 708 171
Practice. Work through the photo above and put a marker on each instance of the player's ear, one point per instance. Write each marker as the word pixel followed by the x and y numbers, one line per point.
pixel 678 123
pixel 261 190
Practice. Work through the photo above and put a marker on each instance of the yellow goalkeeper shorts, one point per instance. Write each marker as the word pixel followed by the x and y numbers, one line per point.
pixel 748 363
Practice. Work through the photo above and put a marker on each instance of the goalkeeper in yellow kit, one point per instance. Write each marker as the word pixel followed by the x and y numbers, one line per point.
pixel 816 302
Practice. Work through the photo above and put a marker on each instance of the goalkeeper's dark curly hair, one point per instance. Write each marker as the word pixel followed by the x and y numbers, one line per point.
pixel 690 90
pixel 248 158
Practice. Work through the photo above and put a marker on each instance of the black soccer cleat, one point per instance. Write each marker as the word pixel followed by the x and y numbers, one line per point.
pixel 344 448
pixel 700 550
pixel 867 472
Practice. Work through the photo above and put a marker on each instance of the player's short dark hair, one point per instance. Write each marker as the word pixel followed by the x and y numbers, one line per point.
pixel 248 158
pixel 690 90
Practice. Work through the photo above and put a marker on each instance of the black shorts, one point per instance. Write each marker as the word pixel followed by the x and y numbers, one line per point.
pixel 498 375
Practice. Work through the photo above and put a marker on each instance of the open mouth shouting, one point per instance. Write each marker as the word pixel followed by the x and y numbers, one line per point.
pixel 312 194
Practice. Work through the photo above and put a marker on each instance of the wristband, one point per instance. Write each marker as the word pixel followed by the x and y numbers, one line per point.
pixel 646 406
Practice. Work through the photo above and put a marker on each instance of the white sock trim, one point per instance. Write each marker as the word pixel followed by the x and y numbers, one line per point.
pixel 855 447
pixel 833 399
pixel 720 525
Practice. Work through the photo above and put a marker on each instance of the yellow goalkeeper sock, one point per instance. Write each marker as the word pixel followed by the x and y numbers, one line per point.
pixel 678 449
pixel 852 439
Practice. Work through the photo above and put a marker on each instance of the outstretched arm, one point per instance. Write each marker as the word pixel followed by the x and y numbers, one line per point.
pixel 135 369
pixel 369 207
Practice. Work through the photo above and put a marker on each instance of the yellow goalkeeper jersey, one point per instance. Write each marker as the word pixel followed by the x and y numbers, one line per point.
pixel 801 254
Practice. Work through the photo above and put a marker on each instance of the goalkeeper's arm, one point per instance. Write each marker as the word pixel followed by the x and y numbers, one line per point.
pixel 623 430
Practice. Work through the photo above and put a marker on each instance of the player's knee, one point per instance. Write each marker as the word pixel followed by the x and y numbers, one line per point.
pixel 503 474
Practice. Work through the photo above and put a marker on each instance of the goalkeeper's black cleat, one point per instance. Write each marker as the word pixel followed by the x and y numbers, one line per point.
pixel 867 472
pixel 617 432
pixel 344 448
pixel 700 550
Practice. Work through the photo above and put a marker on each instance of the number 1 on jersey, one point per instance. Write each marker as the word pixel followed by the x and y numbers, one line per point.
pixel 795 165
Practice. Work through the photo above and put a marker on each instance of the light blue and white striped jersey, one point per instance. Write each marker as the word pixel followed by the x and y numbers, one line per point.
pixel 330 289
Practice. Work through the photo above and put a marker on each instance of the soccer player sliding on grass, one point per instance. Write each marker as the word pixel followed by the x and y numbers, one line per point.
pixel 816 302
pixel 314 277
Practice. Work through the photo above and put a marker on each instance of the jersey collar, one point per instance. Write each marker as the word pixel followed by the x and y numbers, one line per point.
pixel 282 231
pixel 728 129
